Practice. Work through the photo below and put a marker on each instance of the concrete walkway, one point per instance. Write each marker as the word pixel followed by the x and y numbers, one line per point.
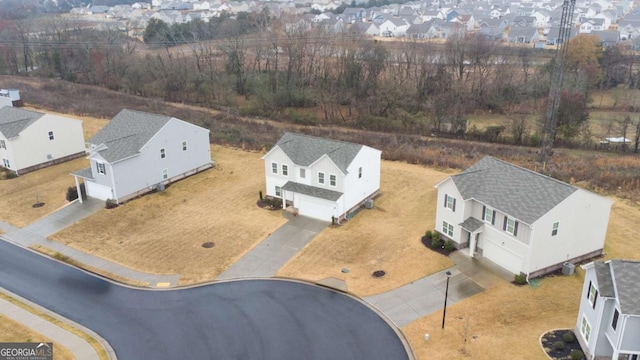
pixel 78 346
pixel 37 232
pixel 271 254
pixel 408 303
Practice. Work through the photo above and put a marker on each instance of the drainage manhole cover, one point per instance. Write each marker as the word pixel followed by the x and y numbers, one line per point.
pixel 208 245
pixel 378 273
pixel 37 205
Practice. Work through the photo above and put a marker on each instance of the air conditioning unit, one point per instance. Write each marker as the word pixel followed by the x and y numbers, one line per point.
pixel 368 203
pixel 160 187
pixel 568 269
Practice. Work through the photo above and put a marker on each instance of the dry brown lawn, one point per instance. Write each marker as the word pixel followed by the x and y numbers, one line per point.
pixel 164 232
pixel 11 331
pixel 385 238
pixel 506 320
pixel 48 185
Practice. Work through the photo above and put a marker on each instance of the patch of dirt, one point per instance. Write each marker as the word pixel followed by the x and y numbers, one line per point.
pixel 549 340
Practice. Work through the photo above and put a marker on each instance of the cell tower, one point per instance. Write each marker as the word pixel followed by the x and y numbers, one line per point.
pixel 557 79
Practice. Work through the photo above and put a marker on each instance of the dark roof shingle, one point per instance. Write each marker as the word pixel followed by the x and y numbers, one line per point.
pixel 304 150
pixel 515 191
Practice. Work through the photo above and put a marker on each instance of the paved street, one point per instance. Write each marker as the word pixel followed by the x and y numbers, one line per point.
pixel 251 319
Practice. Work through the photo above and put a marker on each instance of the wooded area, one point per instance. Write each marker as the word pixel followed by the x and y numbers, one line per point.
pixel 280 68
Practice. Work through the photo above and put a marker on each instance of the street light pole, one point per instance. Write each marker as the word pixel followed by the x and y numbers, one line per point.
pixel 446 293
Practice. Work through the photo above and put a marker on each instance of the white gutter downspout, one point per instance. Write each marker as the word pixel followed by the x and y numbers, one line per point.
pixel 531 237
pixel 75 177
pixel 113 184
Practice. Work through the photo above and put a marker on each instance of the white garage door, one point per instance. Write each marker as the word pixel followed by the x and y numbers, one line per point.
pixel 503 257
pixel 98 191
pixel 315 208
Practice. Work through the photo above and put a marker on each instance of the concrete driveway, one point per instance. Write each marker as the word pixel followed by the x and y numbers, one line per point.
pixel 271 254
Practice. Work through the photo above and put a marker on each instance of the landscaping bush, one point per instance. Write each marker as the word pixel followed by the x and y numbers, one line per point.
pixel 428 235
pixel 520 279
pixel 449 245
pixel 435 239
pixel 576 355
pixel 260 195
pixel 558 345
pixel 568 337
pixel 110 204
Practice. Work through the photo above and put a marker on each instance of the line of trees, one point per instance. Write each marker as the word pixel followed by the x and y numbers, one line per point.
pixel 283 69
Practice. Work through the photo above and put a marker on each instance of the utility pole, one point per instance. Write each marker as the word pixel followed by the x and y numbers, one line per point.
pixel 557 79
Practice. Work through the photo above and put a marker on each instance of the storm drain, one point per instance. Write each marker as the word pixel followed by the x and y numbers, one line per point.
pixel 378 273
pixel 208 245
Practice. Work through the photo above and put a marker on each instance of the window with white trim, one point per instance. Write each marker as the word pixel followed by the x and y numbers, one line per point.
pixel 510 225
pixel 165 174
pixel 585 329
pixel 332 180
pixel 488 215
pixel 101 168
pixel 447 228
pixel 6 164
pixel 303 173
pixel 320 178
pixel 360 172
pixel 184 146
pixel 278 191
pixel 554 230
pixel 274 168
pixel 592 294
pixel 285 170
pixel 163 154
pixel 450 202
pixel 2 144
pixel 51 135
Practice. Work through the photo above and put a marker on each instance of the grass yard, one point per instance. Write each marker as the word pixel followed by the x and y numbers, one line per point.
pixel 385 238
pixel 164 232
pixel 11 331
pixel 48 185
pixel 506 320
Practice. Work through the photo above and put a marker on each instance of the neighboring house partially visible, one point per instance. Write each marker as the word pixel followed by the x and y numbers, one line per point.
pixel 363 29
pixel 521 220
pixel 524 35
pixel 608 324
pixel 394 27
pixel 31 140
pixel 554 35
pixel 137 152
pixel 321 178
pixel 607 38
pixel 10 97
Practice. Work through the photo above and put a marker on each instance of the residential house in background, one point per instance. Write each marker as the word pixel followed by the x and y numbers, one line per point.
pixel 524 35
pixel 137 152
pixel 321 178
pixel 31 140
pixel 10 97
pixel 608 324
pixel 523 221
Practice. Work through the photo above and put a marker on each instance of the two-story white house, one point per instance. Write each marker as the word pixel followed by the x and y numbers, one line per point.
pixel 30 140
pixel 321 178
pixel 521 220
pixel 608 324
pixel 137 152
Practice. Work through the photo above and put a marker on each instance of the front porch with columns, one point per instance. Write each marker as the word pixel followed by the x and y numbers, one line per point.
pixel 474 228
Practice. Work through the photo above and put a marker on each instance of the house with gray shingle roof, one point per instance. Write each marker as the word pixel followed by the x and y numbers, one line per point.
pixel 30 140
pixel 138 152
pixel 608 323
pixel 523 221
pixel 321 178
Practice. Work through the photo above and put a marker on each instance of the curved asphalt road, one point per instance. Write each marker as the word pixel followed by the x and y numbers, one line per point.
pixel 252 319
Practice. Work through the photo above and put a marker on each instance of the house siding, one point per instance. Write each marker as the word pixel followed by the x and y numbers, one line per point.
pixel 583 219
pixel 447 187
pixel 272 180
pixel 355 188
pixel 630 339
pixel 597 345
pixel 33 147
pixel 148 165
